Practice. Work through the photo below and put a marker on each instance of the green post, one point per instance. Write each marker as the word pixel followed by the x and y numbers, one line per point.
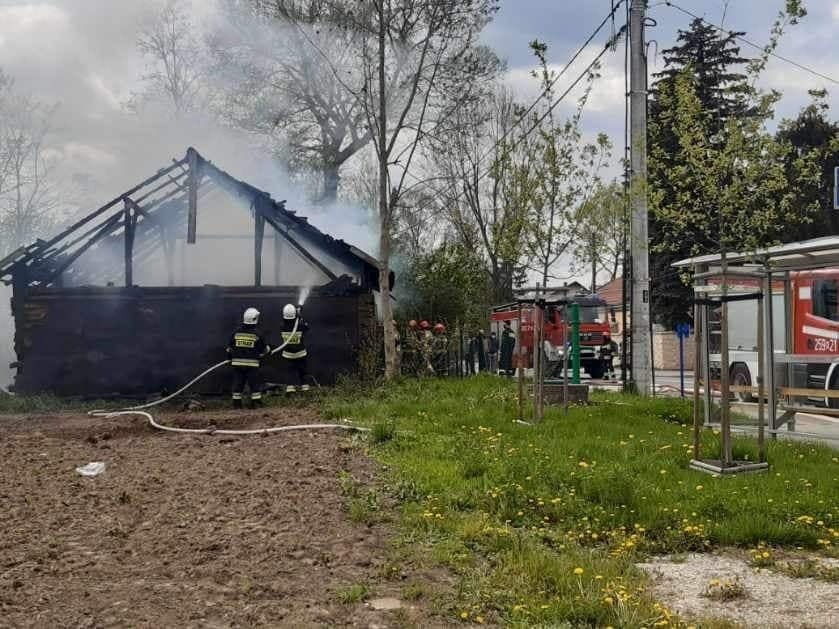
pixel 575 343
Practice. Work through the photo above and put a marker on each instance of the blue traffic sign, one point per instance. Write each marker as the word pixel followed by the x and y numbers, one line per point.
pixel 683 330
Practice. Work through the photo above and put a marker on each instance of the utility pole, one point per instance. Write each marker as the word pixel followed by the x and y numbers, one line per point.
pixel 640 321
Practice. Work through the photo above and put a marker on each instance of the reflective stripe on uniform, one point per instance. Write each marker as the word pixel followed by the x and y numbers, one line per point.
pixel 293 338
pixel 290 388
pixel 305 387
pixel 245 339
pixel 245 362
pixel 256 396
pixel 294 355
pixel 237 396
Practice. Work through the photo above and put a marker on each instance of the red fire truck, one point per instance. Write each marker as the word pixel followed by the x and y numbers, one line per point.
pixel 593 331
pixel 808 344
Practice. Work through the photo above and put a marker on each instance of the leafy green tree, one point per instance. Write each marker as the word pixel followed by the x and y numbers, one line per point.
pixel 814 131
pixel 716 70
pixel 717 178
pixel 449 283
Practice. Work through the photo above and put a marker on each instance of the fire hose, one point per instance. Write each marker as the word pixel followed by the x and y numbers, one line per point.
pixel 142 408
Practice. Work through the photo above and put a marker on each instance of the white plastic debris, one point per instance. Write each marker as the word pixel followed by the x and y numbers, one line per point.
pixel 91 469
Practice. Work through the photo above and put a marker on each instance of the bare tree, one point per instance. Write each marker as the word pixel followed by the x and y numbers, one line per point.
pixel 409 49
pixel 570 169
pixel 176 58
pixel 27 192
pixel 486 155
pixel 293 74
pixel 601 233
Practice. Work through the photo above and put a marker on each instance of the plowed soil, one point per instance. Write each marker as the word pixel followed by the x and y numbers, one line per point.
pixel 181 530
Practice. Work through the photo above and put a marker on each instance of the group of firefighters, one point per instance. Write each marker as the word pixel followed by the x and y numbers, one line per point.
pixel 248 347
pixel 425 350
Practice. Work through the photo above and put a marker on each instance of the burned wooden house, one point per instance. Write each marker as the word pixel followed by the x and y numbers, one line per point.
pixel 142 294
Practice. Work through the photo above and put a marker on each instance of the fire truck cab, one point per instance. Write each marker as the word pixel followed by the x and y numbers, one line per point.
pixel 557 335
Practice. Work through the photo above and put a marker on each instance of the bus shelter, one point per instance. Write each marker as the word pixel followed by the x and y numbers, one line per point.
pixel 794 362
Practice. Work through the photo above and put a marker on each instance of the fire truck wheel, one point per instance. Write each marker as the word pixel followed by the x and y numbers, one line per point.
pixel 833 402
pixel 740 377
pixel 595 371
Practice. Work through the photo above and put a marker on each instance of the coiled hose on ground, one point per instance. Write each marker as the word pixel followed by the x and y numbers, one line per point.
pixel 142 408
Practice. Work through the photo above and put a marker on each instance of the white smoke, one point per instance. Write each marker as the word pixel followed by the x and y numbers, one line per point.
pixel 83 56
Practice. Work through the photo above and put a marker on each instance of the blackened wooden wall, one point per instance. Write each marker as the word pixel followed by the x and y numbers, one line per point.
pixel 139 341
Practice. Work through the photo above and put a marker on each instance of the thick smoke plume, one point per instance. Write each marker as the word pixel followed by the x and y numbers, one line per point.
pixel 83 56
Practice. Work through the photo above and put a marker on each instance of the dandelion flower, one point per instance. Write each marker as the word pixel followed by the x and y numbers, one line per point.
pixel 699 488
pixel 578 571
pixel 464 615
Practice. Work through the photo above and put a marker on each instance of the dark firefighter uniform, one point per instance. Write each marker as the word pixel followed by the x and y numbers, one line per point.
pixel 508 343
pixel 246 349
pixel 295 352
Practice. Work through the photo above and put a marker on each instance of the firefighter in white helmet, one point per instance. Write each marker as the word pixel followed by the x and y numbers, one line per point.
pixel 294 334
pixel 246 349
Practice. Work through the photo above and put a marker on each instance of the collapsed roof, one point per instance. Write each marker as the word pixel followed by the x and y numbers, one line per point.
pixel 145 220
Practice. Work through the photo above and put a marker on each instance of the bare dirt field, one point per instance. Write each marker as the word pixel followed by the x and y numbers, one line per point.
pixel 182 530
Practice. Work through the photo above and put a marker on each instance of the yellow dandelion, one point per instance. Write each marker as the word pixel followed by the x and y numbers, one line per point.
pixel 464 615
pixel 578 571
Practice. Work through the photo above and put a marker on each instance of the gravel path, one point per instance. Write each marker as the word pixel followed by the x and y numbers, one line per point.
pixel 771 601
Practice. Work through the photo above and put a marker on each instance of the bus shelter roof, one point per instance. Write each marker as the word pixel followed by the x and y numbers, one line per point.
pixel 817 253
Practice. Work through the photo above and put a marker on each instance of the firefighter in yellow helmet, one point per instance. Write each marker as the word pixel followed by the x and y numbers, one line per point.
pixel 247 347
pixel 295 350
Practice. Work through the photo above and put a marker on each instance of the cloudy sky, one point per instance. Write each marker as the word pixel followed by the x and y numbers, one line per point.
pixel 82 54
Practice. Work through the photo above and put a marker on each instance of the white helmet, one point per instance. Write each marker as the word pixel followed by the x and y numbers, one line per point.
pixel 251 316
pixel 289 311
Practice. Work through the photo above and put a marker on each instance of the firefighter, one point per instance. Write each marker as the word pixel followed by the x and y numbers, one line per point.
pixel 470 352
pixel 508 342
pixel 246 349
pixel 607 356
pixel 480 341
pixel 295 350
pixel 493 353
pixel 440 350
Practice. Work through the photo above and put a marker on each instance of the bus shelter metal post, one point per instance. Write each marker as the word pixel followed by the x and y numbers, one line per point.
pixel 706 363
pixel 789 344
pixel 769 351
pixel 565 358
pixel 725 402
pixel 697 366
pixel 761 418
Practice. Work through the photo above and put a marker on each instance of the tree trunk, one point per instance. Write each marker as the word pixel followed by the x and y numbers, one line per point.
pixel 331 178
pixel 384 208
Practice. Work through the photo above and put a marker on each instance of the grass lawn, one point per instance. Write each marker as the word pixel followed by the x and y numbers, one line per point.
pixel 544 524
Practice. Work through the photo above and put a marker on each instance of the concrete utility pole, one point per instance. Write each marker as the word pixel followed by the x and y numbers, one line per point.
pixel 641 343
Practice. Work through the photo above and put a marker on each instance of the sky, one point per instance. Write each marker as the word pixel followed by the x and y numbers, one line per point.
pixel 565 24
pixel 82 55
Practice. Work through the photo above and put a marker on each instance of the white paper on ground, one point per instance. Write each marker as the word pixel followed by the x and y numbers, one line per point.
pixel 91 469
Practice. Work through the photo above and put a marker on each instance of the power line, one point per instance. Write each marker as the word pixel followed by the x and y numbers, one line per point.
pixel 451 187
pixel 553 82
pixel 752 44
pixel 547 90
